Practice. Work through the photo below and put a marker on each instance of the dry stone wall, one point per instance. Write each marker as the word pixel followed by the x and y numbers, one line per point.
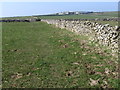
pixel 20 20
pixel 106 35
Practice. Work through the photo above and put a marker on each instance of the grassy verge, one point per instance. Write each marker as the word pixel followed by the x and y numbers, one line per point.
pixel 39 55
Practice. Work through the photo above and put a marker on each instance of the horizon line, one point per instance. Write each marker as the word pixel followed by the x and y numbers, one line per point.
pixel 52 13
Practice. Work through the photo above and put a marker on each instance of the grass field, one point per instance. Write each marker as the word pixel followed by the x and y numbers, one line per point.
pixel 83 16
pixel 39 55
pixel 88 16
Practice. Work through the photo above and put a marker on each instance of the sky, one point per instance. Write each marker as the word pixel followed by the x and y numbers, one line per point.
pixel 10 9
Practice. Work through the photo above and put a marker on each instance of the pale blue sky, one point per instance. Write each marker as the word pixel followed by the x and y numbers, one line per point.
pixel 39 8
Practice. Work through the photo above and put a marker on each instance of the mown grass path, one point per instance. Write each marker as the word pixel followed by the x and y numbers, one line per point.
pixel 39 55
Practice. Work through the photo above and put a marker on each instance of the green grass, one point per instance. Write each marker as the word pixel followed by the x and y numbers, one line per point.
pixel 40 55
pixel 85 16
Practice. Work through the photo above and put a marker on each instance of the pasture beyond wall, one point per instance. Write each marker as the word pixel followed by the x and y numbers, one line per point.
pixel 105 35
